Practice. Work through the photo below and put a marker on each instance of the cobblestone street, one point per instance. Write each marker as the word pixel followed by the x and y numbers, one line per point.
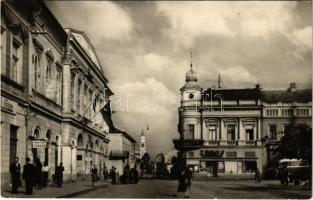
pixel 239 189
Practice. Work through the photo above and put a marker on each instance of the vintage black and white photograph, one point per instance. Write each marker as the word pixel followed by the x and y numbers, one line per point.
pixel 156 99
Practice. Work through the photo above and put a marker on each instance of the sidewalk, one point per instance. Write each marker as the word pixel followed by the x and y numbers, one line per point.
pixel 68 190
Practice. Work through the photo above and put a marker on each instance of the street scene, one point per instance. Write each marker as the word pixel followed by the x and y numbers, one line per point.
pixel 156 99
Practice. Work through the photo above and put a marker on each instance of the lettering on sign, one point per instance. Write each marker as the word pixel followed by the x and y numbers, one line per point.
pixel 39 144
pixel 7 105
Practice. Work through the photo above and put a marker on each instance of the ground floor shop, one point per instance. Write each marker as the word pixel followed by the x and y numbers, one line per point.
pixel 214 162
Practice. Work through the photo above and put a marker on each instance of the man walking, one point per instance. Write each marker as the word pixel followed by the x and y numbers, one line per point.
pixel 94 175
pixel 15 170
pixel 45 174
pixel 28 176
pixel 59 174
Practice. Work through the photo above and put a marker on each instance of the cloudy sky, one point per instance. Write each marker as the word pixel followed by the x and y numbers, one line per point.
pixel 144 49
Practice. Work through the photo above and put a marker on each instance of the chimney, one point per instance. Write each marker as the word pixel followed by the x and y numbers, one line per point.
pixel 293 87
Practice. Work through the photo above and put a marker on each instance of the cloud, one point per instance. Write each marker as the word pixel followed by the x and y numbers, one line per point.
pixel 101 20
pixel 303 37
pixel 238 76
pixel 149 97
pixel 153 61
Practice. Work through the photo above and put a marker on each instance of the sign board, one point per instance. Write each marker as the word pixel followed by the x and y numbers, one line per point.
pixel 39 144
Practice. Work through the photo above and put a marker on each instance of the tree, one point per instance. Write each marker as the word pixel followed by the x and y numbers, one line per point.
pixel 297 143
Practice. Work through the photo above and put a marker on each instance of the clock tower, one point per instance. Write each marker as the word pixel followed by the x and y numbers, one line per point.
pixel 191 91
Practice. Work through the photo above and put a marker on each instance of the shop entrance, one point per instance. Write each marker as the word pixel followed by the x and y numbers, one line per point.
pixel 212 168
pixel 249 166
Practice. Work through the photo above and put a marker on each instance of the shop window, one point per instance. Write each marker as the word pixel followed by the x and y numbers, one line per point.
pixel 13 142
pixel 231 132
pixel 272 132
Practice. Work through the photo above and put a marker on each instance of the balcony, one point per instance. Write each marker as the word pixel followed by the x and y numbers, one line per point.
pixel 118 154
pixel 251 143
pixel 231 143
pixel 188 144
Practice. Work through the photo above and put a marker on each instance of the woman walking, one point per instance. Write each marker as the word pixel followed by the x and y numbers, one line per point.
pixel 94 175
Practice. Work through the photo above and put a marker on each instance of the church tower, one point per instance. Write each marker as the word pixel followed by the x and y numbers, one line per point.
pixel 142 144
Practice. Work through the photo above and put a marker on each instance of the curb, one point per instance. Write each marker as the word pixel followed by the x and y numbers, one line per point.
pixel 73 194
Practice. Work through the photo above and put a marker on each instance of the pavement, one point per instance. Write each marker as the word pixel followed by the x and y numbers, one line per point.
pixel 67 190
pixel 209 189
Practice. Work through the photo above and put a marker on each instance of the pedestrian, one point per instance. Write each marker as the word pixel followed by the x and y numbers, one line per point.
pixel 45 174
pixel 15 170
pixel 59 174
pixel 134 174
pixel 105 174
pixel 126 174
pixel 28 176
pixel 38 173
pixel 113 175
pixel 94 175
pixel 184 181
pixel 257 175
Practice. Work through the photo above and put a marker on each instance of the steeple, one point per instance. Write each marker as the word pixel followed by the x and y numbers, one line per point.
pixel 142 133
pixel 191 74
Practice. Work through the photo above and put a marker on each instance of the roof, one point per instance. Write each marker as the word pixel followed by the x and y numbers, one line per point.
pixel 275 96
pixel 126 135
pixel 233 94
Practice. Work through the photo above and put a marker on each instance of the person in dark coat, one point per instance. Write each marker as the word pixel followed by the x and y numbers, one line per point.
pixel 28 176
pixel 94 175
pixel 38 173
pixel 134 174
pixel 15 170
pixel 257 175
pixel 113 175
pixel 105 174
pixel 59 174
pixel 184 181
pixel 126 174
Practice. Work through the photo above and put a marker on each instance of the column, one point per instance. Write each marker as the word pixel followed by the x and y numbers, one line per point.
pixel 67 161
pixel 67 87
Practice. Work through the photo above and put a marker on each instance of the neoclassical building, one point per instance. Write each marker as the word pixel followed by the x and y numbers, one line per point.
pixel 52 90
pixel 227 131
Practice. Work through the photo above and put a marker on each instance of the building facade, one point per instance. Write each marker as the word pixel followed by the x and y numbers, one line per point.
pixel 222 131
pixel 52 90
pixel 121 151
pixel 283 109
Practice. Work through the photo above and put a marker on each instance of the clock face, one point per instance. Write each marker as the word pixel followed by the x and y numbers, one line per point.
pixel 191 96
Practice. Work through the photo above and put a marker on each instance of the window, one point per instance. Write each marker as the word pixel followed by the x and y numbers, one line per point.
pixel 85 98
pixel 78 96
pixel 250 154
pixel 90 103
pixel 73 90
pixel 231 154
pixel 191 154
pixel 287 129
pixel 58 86
pixel 212 132
pixel 231 132
pixel 37 61
pixel 249 132
pixel 3 51
pixel 190 132
pixel 16 61
pixel 142 145
pixel 272 132
pixel 49 84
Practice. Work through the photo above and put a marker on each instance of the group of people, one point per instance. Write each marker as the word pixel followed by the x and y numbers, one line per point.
pixel 34 175
pixel 129 176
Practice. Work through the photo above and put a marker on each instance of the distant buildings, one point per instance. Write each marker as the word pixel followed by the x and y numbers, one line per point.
pixel 52 90
pixel 222 130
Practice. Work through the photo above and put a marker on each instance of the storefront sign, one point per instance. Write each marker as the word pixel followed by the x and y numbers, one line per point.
pixel 39 144
pixel 8 104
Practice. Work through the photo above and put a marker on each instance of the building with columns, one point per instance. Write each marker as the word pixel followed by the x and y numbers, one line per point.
pixel 226 131
pixel 220 129
pixel 52 90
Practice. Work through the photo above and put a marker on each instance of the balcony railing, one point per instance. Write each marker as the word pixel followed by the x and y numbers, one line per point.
pixel 118 154
pixel 251 143
pixel 181 144
pixel 231 143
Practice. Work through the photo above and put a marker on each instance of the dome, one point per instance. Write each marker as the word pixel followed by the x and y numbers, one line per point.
pixel 191 76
